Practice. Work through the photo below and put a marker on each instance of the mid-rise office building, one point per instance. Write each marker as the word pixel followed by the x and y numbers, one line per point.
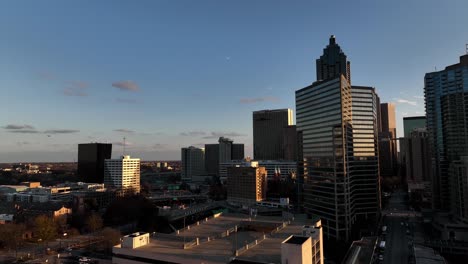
pixel 224 151
pixel 193 163
pixel 246 183
pixel 122 174
pixel 275 168
pixel 91 158
pixel 413 122
pixel 290 143
pixel 268 133
pixel 387 140
pixel 415 157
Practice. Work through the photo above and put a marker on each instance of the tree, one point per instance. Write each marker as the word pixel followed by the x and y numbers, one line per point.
pixel 94 222
pixel 45 228
pixel 11 235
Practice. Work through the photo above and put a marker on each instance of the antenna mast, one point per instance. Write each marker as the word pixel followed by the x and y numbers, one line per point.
pixel 124 146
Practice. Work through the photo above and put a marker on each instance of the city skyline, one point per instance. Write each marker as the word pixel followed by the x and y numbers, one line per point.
pixel 168 75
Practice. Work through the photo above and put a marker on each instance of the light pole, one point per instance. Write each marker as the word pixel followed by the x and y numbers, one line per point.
pixel 64 235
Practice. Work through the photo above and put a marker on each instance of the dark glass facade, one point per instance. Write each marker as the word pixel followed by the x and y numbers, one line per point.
pixel 338 126
pixel 446 98
pixel 268 133
pixel 333 62
pixel 91 161
pixel 324 116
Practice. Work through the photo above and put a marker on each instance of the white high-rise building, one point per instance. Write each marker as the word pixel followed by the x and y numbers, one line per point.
pixel 123 173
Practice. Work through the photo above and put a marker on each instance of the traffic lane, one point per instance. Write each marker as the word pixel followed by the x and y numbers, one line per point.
pixel 396 242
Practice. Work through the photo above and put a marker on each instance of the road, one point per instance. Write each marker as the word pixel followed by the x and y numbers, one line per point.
pixel 397 250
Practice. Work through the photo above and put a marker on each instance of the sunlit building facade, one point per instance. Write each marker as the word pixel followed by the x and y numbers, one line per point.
pixel 123 174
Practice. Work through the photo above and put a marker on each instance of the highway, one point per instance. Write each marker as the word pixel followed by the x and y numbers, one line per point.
pixel 397 250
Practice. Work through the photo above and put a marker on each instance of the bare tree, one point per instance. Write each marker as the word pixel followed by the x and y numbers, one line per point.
pixel 45 228
pixel 94 222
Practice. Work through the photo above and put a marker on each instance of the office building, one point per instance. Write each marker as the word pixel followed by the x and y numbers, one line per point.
pixel 446 111
pixel 237 151
pixel 268 133
pixel 226 238
pixel 91 158
pixel 415 156
pixel 193 163
pixel 338 125
pixel 212 159
pixel 224 151
pixel 323 114
pixel 246 183
pixel 458 173
pixel 387 140
pixel 446 100
pixel 122 174
pixel 365 188
pixel 274 168
pixel 412 122
pixel 290 143
pixel 333 63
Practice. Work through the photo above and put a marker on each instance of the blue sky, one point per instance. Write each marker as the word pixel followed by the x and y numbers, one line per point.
pixel 168 74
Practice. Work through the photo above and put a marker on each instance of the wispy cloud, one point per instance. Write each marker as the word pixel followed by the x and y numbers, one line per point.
pixel 124 130
pixel 418 97
pixel 29 129
pixel 127 143
pixel 61 131
pixel 193 133
pixel 22 143
pixel 21 129
pixel 12 126
pixel 126 100
pixel 223 134
pixel 126 86
pixel 404 101
pixel 254 100
pixel 76 88
pixel 159 146
pixel 24 131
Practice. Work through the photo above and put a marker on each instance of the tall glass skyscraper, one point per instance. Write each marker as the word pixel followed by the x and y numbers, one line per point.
pixel 446 98
pixel 323 114
pixel 338 124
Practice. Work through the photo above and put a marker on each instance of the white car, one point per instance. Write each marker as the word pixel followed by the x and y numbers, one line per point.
pixel 84 259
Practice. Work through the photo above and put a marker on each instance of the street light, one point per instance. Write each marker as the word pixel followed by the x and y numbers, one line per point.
pixel 60 240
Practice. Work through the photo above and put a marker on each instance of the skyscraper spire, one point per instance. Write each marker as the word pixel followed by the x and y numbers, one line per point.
pixel 333 62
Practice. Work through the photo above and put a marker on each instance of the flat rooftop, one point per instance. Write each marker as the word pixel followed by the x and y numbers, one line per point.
pixel 361 251
pixel 296 240
pixel 222 248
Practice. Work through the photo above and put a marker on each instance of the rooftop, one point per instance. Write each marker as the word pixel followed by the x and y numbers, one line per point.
pixel 220 238
pixel 361 251
pixel 298 240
